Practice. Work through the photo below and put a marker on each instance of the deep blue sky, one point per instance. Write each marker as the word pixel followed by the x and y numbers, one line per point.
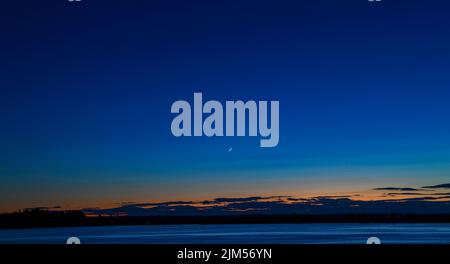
pixel 87 89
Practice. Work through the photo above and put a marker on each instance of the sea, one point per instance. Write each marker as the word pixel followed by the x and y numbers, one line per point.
pixel 235 234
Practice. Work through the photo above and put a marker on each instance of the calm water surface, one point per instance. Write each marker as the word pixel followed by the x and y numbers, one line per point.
pixel 245 233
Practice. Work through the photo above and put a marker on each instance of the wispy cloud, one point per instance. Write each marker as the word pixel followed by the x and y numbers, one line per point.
pixel 405 193
pixel 396 189
pixel 337 204
pixel 439 186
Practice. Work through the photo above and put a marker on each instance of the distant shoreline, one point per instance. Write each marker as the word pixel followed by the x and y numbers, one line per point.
pixel 48 219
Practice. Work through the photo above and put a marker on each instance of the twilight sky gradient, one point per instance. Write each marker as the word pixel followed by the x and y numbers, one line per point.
pixel 364 92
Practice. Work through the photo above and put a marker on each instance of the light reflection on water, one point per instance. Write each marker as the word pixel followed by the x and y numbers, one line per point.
pixel 237 233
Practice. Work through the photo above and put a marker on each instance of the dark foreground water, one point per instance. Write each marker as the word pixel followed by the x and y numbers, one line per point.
pixel 245 233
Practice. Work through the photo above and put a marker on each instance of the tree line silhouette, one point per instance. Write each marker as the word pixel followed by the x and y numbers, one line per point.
pixel 32 218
